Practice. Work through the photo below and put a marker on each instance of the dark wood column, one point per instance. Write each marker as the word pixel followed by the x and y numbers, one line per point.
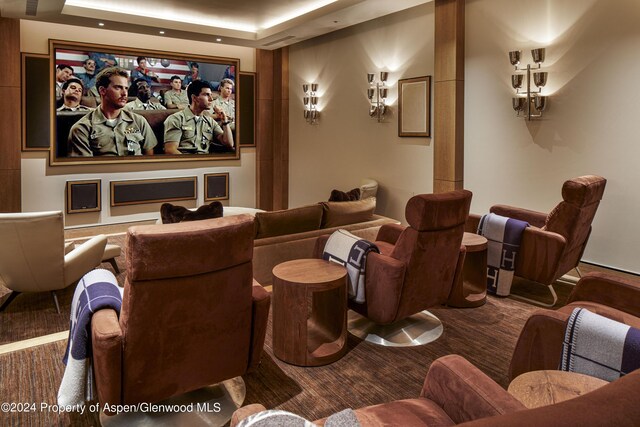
pixel 10 142
pixel 272 133
pixel 448 161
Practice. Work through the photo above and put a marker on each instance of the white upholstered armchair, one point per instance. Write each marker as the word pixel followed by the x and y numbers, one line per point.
pixel 34 258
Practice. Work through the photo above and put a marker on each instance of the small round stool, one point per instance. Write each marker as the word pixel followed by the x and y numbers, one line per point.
pixel 541 388
pixel 309 312
pixel 470 290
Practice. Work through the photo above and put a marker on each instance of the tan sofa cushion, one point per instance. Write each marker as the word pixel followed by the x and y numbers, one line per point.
pixel 341 213
pixel 288 221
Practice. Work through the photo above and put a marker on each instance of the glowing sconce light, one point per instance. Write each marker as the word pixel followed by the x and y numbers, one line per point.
pixel 310 101
pixel 377 94
pixel 531 103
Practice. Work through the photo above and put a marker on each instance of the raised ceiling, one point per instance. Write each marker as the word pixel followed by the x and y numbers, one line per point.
pixel 264 24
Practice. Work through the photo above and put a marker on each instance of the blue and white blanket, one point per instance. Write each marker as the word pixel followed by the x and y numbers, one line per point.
pixel 503 235
pixel 96 290
pixel 599 347
pixel 350 251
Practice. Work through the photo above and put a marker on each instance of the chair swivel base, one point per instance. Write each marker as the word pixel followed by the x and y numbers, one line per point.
pixel 209 406
pixel 419 329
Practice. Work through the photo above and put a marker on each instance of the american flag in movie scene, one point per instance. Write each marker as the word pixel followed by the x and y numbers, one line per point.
pixel 163 68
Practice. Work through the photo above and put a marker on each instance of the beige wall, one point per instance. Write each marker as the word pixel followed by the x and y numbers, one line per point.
pixel 43 186
pixel 591 126
pixel 348 145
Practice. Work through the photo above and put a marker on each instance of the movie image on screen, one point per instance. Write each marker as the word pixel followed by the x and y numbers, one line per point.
pixel 116 104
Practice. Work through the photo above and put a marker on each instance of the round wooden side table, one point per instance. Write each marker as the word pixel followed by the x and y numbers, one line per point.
pixel 470 290
pixel 309 312
pixel 541 388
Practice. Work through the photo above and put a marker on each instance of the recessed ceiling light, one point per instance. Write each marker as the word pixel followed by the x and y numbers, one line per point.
pixel 161 32
pixel 218 39
pixel 101 24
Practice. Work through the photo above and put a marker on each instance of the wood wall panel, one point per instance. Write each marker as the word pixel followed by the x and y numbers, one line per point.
pixel 9 196
pixel 272 130
pixel 10 110
pixel 11 129
pixel 448 130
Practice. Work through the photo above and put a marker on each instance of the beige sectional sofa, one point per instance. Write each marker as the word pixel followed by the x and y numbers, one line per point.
pixel 292 233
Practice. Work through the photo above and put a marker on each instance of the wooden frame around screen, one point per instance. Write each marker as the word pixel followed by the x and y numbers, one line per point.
pixel 61 51
pixel 206 186
pixel 414 106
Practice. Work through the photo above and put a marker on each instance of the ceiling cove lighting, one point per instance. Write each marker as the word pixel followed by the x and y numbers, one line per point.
pixel 199 19
pixel 530 102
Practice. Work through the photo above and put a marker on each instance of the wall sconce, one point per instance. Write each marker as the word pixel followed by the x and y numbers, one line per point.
pixel 310 101
pixel 377 94
pixel 530 102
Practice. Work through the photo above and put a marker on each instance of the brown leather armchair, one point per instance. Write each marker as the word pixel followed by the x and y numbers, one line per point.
pixel 540 343
pixel 35 258
pixel 416 266
pixel 554 243
pixel 191 315
pixel 457 393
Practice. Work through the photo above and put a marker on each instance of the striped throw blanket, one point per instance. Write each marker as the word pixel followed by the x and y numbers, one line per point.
pixel 598 346
pixel 350 251
pixel 96 290
pixel 503 235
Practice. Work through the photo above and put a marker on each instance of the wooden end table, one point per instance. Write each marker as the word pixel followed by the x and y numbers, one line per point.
pixel 470 290
pixel 309 312
pixel 541 388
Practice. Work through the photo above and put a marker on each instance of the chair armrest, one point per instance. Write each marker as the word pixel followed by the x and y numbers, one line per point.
pixel 261 302
pixel 613 291
pixel 106 343
pixel 472 222
pixel 539 256
pixel 539 345
pixel 383 287
pixel 69 246
pixel 534 218
pixel 84 258
pixel 321 242
pixel 244 412
pixel 464 392
pixel 390 233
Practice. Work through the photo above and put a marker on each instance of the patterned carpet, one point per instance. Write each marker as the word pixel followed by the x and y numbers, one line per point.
pixel 367 374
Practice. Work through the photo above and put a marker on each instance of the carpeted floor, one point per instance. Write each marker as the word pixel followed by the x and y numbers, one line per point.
pixel 367 374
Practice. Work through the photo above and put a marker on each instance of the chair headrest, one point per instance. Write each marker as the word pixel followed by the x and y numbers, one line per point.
pixel 426 212
pixel 583 190
pixel 188 248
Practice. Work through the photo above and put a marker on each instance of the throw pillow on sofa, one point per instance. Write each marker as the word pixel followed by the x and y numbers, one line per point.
pixel 171 214
pixel 342 213
pixel 341 196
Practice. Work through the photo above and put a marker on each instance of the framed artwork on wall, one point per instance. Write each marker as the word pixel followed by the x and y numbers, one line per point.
pixel 414 107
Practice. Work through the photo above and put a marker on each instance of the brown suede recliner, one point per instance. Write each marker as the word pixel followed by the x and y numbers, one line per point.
pixel 554 243
pixel 191 316
pixel 457 393
pixel 416 265
pixel 540 343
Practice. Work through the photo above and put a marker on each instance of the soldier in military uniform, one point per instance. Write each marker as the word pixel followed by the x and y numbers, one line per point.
pixel 110 130
pixel 143 100
pixel 72 95
pixel 176 97
pixel 225 103
pixel 193 130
